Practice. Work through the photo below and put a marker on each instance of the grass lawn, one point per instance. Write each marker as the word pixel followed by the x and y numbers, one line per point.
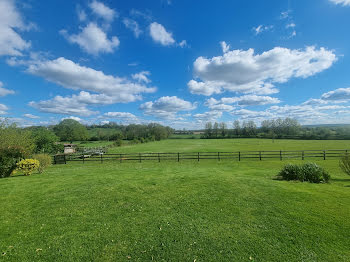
pixel 230 145
pixel 169 211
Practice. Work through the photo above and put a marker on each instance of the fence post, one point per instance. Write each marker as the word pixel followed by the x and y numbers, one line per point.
pixel 83 159
pixel 260 155
pixel 101 158
pixel 239 156
pixel 198 156
pixel 178 157
pixel 324 154
pixel 302 155
pixel 219 156
pixel 158 157
pixel 140 157
pixel 120 157
pixel 64 156
pixel 281 155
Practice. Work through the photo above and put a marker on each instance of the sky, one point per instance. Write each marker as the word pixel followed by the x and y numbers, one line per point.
pixel 180 63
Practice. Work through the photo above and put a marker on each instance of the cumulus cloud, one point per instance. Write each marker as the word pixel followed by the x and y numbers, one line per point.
pixel 133 26
pixel 160 35
pixel 341 2
pixel 93 40
pixel 74 118
pixel 4 91
pixel 166 107
pixel 225 47
pixel 3 109
pixel 11 21
pixel 250 100
pixel 103 11
pixel 71 75
pixel 247 72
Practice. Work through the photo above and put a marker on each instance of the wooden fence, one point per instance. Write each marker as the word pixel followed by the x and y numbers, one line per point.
pixel 198 156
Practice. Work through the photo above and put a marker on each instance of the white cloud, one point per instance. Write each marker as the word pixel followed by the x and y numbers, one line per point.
pixel 285 14
pixel 93 40
pixel 183 43
pixel 340 94
pixel 133 26
pixel 167 107
pixel 64 106
pixel 123 116
pixel 209 116
pixel 250 100
pixel 291 25
pixel 247 72
pixel 261 28
pixel 216 105
pixel 341 2
pixel 11 43
pixel 4 91
pixel 82 16
pixel 31 116
pixel 102 11
pixel 71 75
pixel 160 35
pixel 225 47
pixel 3 109
pixel 74 118
pixel 142 77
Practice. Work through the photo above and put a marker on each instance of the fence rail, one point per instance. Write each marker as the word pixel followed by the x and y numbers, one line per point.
pixel 198 156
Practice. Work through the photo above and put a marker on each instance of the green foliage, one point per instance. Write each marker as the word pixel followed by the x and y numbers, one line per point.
pixel 71 130
pixel 44 160
pixel 309 172
pixel 118 143
pixel 344 164
pixel 15 143
pixel 46 141
pixel 8 160
pixel 28 166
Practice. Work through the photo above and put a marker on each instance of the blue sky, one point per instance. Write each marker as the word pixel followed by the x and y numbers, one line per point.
pixel 177 62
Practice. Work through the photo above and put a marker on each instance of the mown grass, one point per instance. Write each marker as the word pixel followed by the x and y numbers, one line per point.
pixel 231 145
pixel 169 211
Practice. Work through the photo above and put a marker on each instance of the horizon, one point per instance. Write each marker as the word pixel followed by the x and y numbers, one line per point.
pixel 175 63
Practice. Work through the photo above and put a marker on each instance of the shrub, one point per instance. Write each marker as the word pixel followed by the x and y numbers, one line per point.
pixel 118 142
pixel 344 164
pixel 309 172
pixel 44 160
pixel 8 160
pixel 27 166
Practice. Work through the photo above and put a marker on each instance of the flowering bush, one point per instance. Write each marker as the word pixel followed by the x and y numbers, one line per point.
pixel 27 166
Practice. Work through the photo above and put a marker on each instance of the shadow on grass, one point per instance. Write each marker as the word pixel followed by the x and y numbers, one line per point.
pixel 340 179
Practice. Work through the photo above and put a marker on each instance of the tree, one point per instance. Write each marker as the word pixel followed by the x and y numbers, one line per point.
pixel 236 128
pixel 45 140
pixel 71 130
pixel 208 130
pixel 223 129
pixel 216 129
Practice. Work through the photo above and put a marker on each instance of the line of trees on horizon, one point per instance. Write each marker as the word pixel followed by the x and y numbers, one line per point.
pixel 275 128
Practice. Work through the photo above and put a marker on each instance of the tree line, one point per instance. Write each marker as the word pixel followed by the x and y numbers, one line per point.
pixel 276 128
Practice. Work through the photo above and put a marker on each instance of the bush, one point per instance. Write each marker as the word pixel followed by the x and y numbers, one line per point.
pixel 8 160
pixel 27 166
pixel 44 160
pixel 118 143
pixel 309 172
pixel 344 164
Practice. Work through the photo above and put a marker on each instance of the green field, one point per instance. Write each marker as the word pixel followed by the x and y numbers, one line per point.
pixel 231 145
pixel 169 211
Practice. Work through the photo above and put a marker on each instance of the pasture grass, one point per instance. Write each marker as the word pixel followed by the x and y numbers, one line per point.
pixel 169 211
